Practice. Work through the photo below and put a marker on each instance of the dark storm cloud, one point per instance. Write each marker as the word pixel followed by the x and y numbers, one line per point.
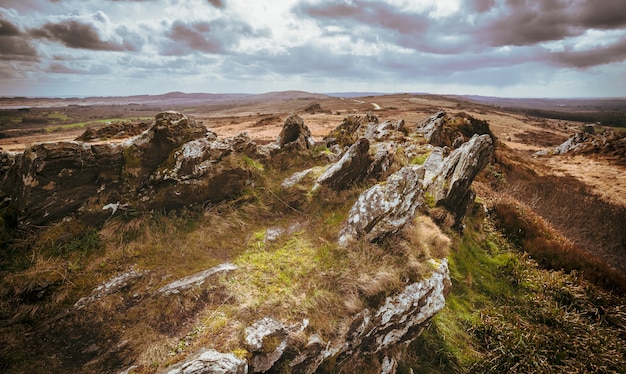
pixel 206 37
pixel 217 3
pixel 481 6
pixel 528 22
pixel 587 58
pixel 17 49
pixel 8 29
pixel 14 44
pixel 390 25
pixel 76 34
pixel 368 13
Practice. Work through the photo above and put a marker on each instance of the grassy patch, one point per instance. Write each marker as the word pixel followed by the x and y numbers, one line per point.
pixel 505 314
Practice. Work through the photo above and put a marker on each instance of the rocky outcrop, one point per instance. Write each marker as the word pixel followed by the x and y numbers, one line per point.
pixel 114 130
pixel 401 317
pixel 384 209
pixel 295 134
pixel 432 129
pixel 388 130
pixel 174 163
pixel 607 143
pixel 210 361
pixel 49 181
pixel 449 179
pixel 345 134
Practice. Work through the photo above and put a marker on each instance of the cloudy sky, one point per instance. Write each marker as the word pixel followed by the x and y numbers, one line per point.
pixel 515 48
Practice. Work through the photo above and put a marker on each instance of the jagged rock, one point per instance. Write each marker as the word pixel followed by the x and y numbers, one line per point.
pixel 295 134
pixel 449 184
pixel 351 168
pixel 401 317
pixel 210 361
pixel 346 133
pixel 49 181
pixel 314 353
pixel 385 208
pixel 573 143
pixel 111 286
pixel 195 279
pixel 385 131
pixel 432 129
pixel 381 161
pixel 146 152
pixel 267 341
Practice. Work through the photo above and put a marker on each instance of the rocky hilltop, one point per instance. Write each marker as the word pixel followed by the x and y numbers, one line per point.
pixel 369 182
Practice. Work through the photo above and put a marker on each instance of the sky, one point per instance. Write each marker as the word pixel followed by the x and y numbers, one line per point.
pixel 508 48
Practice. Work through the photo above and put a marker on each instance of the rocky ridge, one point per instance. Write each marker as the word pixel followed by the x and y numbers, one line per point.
pixel 178 163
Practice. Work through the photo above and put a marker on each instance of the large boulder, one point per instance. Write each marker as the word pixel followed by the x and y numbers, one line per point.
pixel 385 208
pixel 402 317
pixel 295 134
pixel 143 154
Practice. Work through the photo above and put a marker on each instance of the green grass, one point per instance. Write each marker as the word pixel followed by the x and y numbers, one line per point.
pixel 505 314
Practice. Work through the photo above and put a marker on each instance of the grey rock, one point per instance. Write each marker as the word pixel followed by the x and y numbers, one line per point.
pixel 572 144
pixel 385 131
pixel 450 182
pixel 295 134
pixel 111 286
pixel 350 169
pixel 210 362
pixel 385 208
pixel 195 279
pixel 432 129
pixel 267 340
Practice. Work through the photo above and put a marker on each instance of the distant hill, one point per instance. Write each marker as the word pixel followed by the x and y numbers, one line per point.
pixel 170 97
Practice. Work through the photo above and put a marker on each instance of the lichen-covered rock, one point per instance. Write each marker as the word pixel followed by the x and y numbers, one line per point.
pixel 350 169
pixel 432 129
pixel 267 340
pixel 210 362
pixel 382 160
pixel 385 208
pixel 295 134
pixel 450 182
pixel 387 130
